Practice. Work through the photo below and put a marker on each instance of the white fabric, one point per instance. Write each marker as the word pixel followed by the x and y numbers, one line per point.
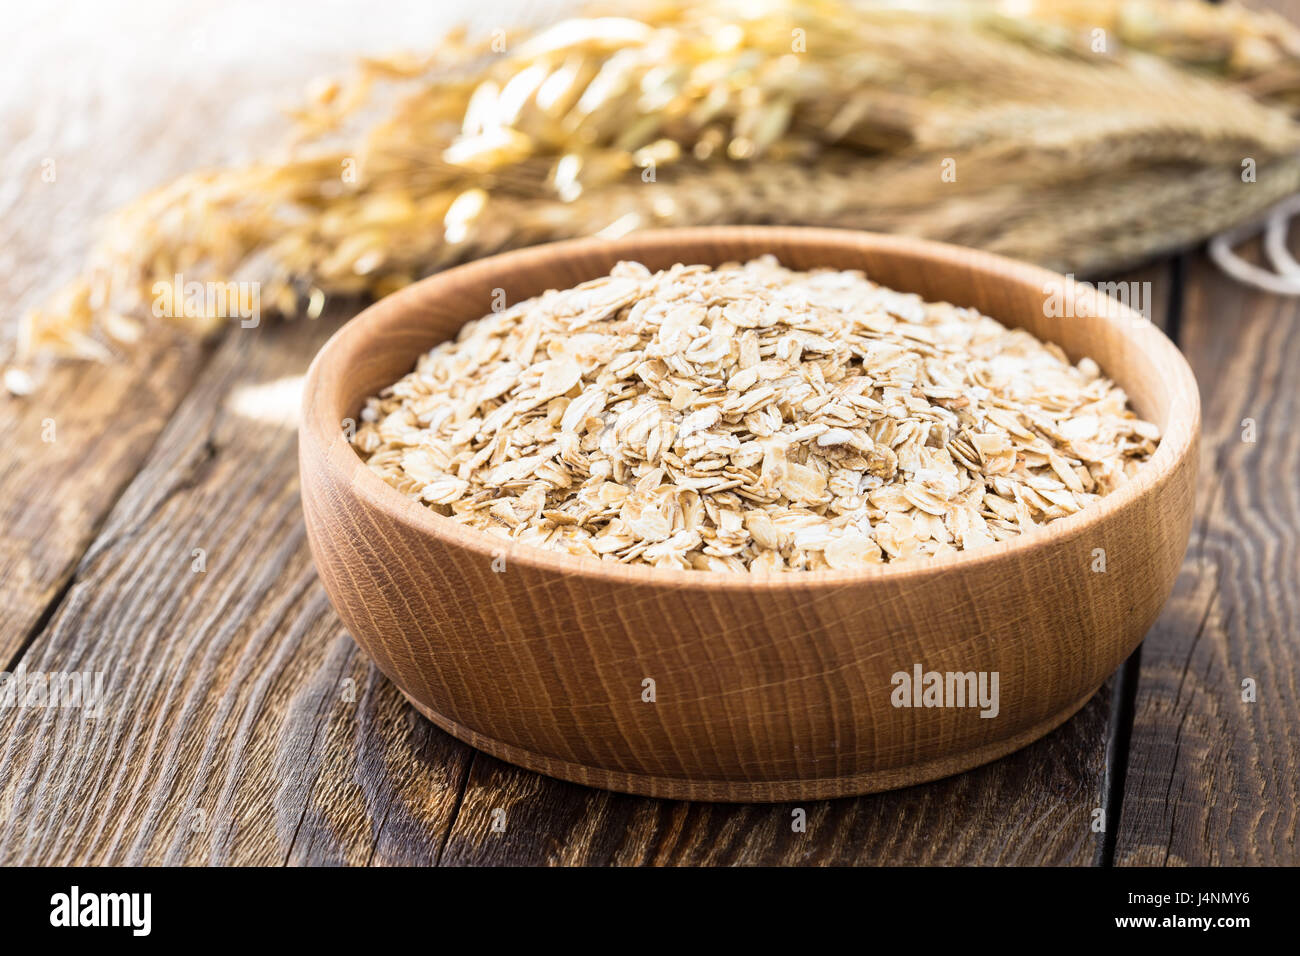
pixel 1285 280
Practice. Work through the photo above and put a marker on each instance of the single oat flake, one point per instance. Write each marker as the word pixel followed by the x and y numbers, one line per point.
pixel 750 417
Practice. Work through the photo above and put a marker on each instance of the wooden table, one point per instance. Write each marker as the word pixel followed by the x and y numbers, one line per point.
pixel 242 725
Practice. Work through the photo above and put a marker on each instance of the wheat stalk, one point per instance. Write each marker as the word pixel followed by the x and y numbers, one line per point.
pixel 818 111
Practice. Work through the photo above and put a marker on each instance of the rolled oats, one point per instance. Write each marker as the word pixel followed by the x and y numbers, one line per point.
pixel 750 417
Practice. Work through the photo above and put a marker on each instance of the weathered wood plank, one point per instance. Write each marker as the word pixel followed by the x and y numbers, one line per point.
pixel 78 141
pixel 229 735
pixel 1212 778
pixel 73 445
pixel 71 449
pixel 1032 807
pixel 114 120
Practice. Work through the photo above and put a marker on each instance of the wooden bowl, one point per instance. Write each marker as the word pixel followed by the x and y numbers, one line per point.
pixel 775 687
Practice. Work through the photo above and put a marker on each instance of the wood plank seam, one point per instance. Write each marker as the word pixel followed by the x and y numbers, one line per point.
pixel 1212 778
pixel 460 801
pixel 1123 703
pixel 321 713
pixel 1118 740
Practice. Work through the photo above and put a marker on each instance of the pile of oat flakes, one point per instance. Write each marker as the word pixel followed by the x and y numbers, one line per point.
pixel 750 417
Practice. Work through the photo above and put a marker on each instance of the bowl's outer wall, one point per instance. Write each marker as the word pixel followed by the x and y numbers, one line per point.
pixel 778 690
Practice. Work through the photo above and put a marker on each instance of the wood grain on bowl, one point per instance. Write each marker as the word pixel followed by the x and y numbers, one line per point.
pixel 766 688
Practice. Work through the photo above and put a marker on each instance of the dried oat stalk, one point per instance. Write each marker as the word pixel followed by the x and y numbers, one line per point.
pixel 816 111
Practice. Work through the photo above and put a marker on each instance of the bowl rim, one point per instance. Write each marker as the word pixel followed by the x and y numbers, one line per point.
pixel 346 469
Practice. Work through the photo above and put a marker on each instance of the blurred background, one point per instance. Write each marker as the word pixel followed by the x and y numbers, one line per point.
pixel 1103 138
pixel 1089 136
pixel 126 95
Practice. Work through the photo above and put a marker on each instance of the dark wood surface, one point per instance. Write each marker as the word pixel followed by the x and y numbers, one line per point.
pixel 243 726
pixel 1212 778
